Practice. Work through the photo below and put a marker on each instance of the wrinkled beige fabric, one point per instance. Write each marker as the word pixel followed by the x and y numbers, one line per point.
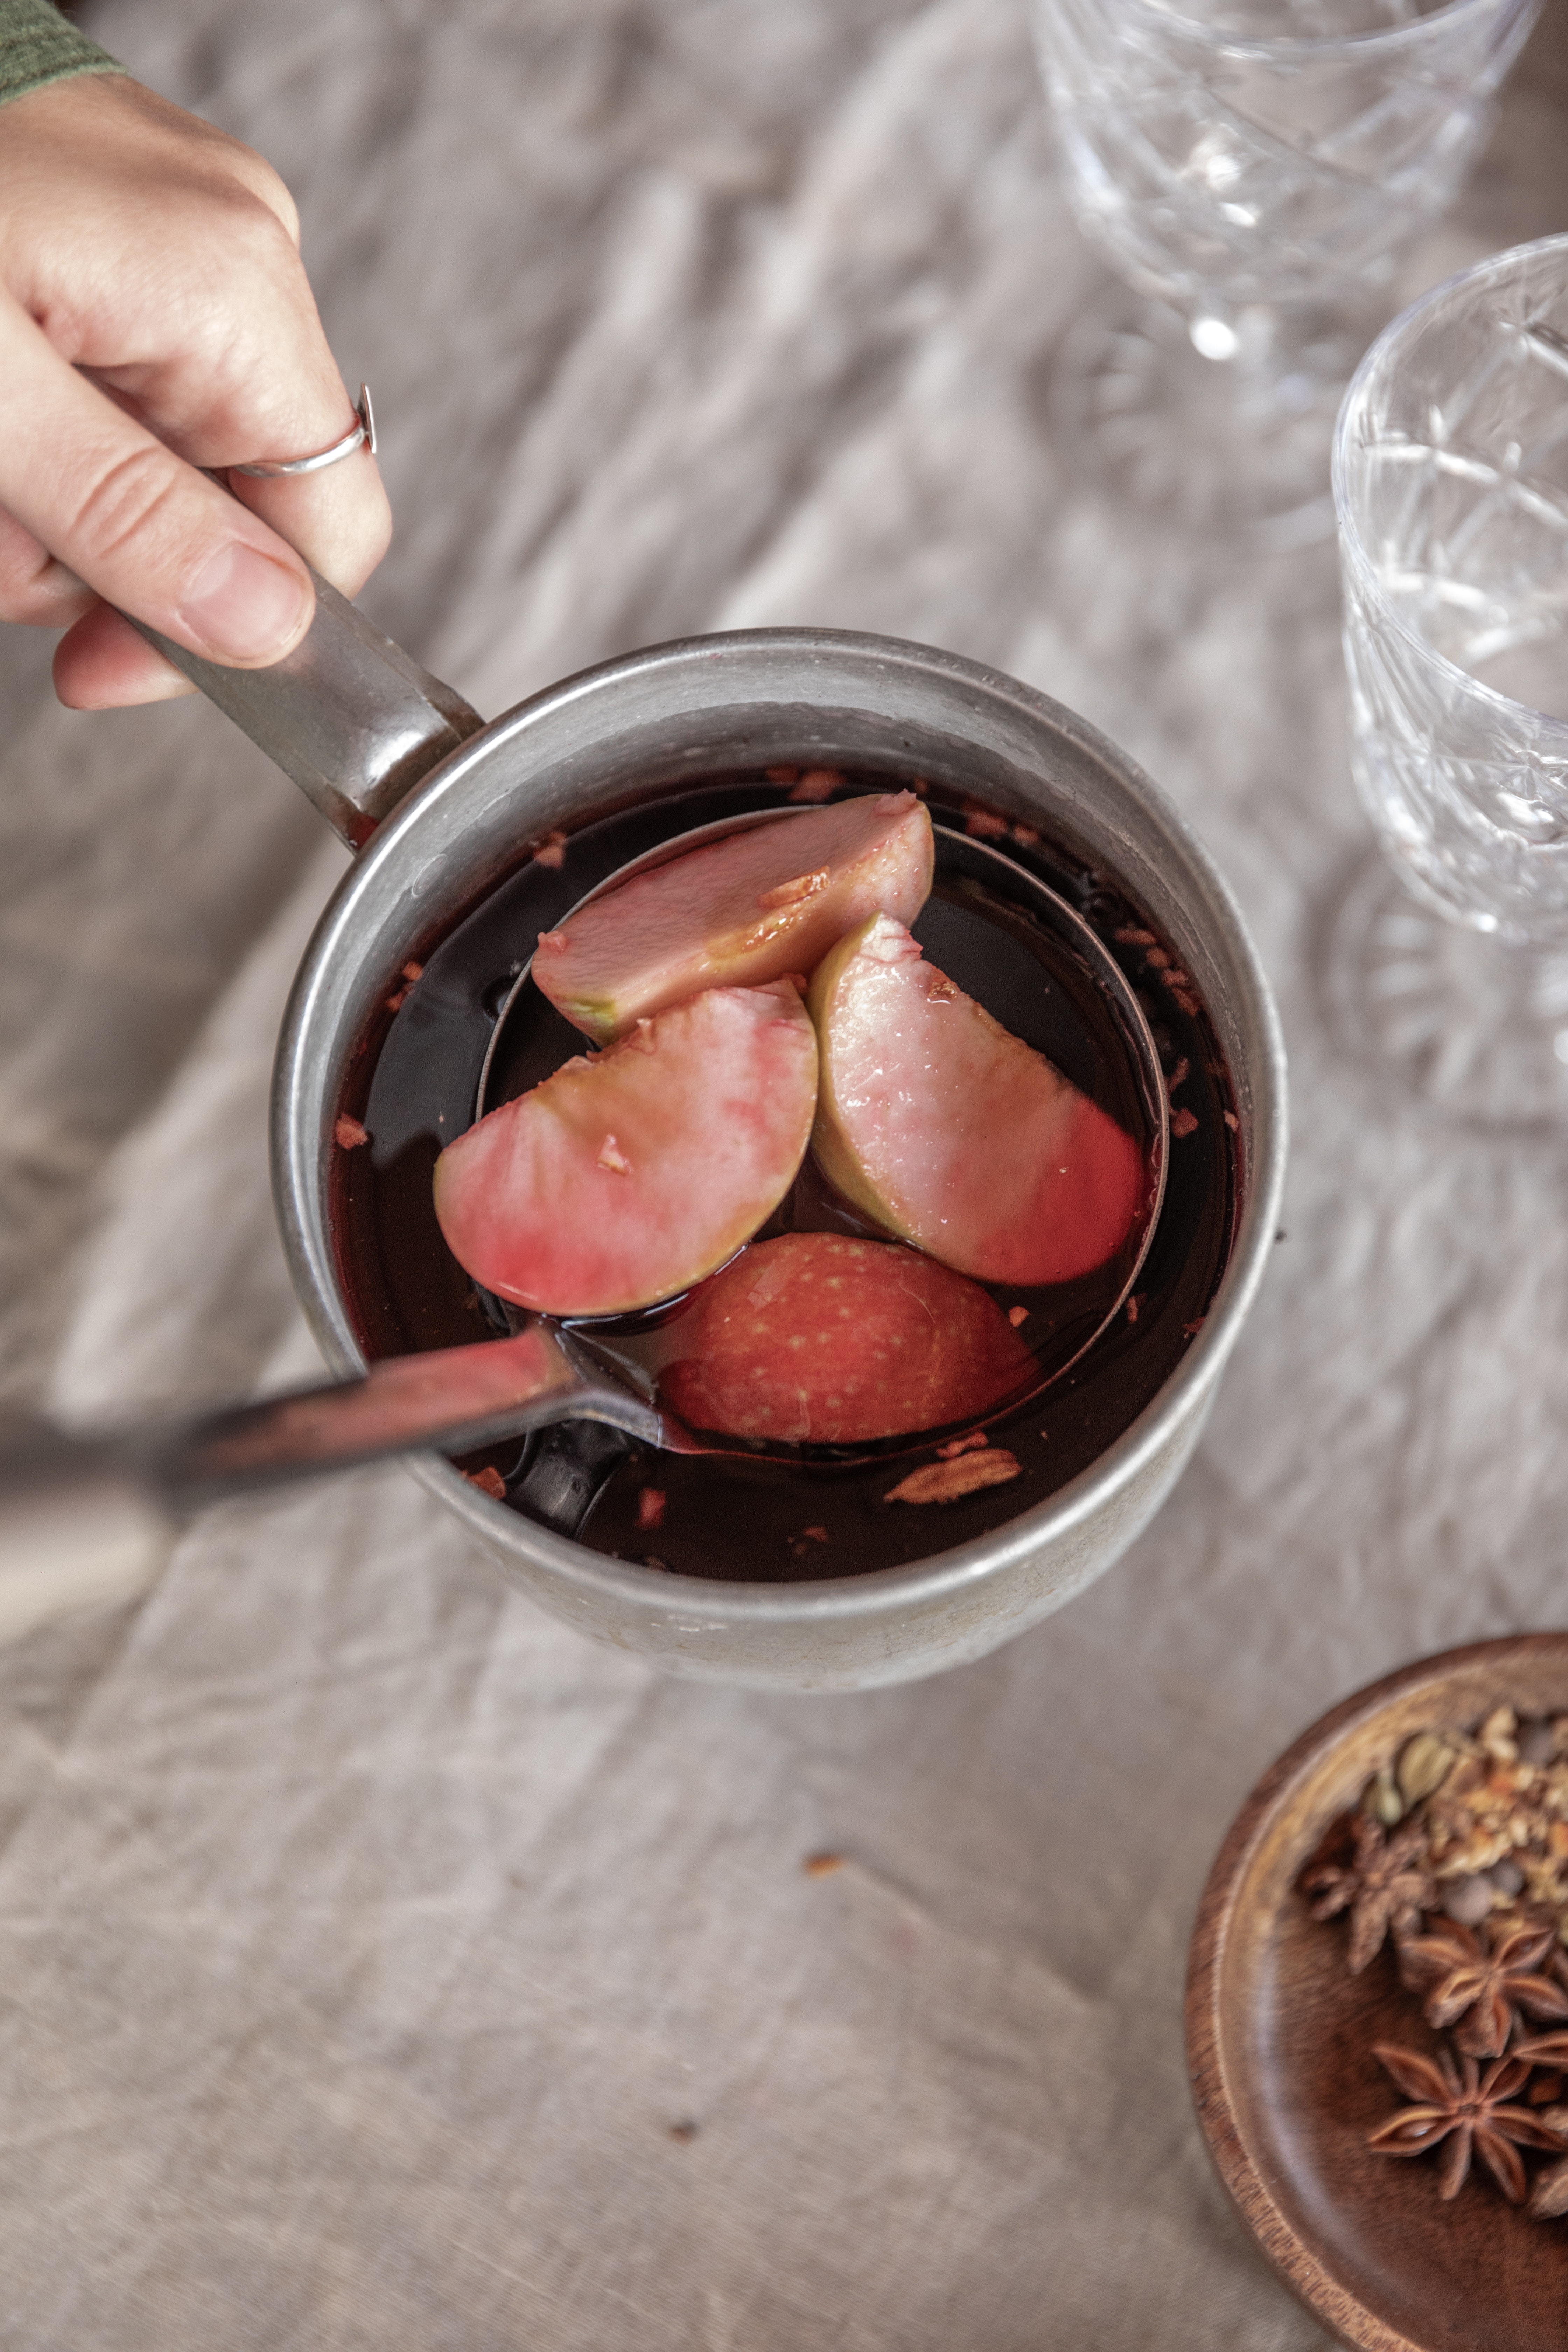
pixel 383 1966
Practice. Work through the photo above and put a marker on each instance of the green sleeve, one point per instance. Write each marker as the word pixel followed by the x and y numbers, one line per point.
pixel 37 45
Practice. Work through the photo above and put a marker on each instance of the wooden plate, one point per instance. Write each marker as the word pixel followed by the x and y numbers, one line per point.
pixel 1278 2044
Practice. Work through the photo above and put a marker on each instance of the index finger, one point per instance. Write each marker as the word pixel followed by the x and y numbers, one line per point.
pixel 123 513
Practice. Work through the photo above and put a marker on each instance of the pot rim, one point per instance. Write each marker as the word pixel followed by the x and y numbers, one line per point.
pixel 875 1592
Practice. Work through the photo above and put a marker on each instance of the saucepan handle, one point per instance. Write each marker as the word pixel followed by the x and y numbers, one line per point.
pixel 348 714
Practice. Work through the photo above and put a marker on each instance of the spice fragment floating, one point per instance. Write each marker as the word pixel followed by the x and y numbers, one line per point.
pixel 411 973
pixel 950 1482
pixel 651 1509
pixel 818 784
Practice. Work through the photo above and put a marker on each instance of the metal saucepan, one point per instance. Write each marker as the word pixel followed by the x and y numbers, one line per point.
pixel 441 807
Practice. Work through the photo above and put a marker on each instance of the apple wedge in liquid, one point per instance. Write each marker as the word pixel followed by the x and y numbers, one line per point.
pixel 631 1174
pixel 822 1339
pixel 737 912
pixel 942 1128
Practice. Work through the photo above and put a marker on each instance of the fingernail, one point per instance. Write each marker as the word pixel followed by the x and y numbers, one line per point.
pixel 243 606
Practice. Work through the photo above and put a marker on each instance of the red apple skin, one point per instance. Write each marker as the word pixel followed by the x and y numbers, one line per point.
pixel 821 1339
pixel 941 1126
pixel 629 1175
pixel 738 912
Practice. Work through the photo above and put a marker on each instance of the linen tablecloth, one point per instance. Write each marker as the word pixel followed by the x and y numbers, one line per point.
pixel 381 1964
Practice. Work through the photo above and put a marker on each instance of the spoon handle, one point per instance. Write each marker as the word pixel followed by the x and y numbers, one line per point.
pixel 451 1398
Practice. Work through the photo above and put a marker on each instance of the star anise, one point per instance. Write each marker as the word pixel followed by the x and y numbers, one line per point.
pixel 1471 2112
pixel 1384 1887
pixel 1549 2198
pixel 1482 1990
pixel 1544 2049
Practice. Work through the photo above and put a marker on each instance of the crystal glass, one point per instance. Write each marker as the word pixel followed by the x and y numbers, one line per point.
pixel 1449 963
pixel 1254 171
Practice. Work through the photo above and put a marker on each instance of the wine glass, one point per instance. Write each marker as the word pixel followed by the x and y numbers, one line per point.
pixel 1448 963
pixel 1255 170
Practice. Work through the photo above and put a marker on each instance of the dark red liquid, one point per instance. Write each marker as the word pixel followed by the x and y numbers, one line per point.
pixel 748 1519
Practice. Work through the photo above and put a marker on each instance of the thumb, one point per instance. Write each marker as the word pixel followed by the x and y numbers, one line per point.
pixel 145 531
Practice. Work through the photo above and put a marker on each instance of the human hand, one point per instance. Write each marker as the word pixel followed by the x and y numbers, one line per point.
pixel 156 317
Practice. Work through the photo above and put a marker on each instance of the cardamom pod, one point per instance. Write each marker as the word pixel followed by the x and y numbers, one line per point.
pixel 1424 1765
pixel 1382 1801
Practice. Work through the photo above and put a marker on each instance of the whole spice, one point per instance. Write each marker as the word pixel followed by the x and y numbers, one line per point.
pixel 1468 1901
pixel 1383 1799
pixel 1544 2049
pixel 1481 1992
pixel 1458 1850
pixel 1384 1887
pixel 1470 2111
pixel 1424 1763
pixel 1548 2197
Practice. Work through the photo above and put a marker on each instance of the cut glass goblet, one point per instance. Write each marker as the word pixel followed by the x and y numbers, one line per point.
pixel 1448 964
pixel 1255 170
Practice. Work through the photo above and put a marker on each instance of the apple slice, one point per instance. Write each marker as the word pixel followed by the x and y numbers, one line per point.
pixel 629 1175
pixel 738 912
pixel 820 1339
pixel 936 1122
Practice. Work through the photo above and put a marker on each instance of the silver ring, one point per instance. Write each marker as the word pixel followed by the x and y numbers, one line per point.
pixel 362 436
